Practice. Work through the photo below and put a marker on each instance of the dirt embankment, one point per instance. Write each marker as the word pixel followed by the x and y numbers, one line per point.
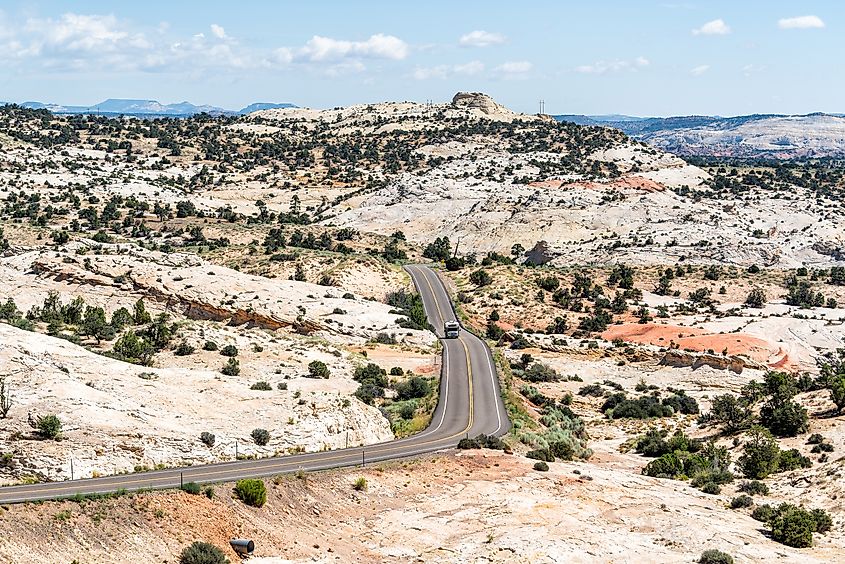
pixel 477 506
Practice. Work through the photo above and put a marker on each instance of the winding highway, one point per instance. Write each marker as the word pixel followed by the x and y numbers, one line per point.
pixel 469 404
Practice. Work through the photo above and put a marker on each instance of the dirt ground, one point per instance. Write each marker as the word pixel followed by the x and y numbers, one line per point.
pixel 479 506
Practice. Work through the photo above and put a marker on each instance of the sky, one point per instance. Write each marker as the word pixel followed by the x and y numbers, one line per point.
pixel 635 57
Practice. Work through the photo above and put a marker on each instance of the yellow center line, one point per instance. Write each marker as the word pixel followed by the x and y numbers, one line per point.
pixel 469 376
pixel 433 296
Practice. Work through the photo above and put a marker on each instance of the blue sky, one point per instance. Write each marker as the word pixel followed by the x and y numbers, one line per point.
pixel 638 57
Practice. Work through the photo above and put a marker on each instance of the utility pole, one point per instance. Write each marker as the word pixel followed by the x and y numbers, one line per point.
pixel 236 450
pixel 71 468
pixel 363 461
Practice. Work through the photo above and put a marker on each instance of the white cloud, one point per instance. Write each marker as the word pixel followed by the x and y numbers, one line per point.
pixel 480 38
pixel 470 68
pixel 104 43
pixel 379 46
pixel 604 67
pixel 427 73
pixel 218 31
pixel 445 71
pixel 515 67
pixel 699 70
pixel 801 22
pixel 513 70
pixel 76 32
pixel 715 27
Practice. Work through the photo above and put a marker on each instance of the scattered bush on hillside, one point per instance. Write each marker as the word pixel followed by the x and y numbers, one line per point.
pixel 713 556
pixel 754 487
pixel 192 488
pixel 260 436
pixel 318 369
pixel 741 501
pixel 202 553
pixel 49 426
pixel 231 368
pixel 251 492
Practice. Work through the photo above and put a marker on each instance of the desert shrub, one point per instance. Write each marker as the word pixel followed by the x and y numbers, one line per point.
pixel 468 444
pixel 538 372
pixel 713 556
pixel 594 390
pixel 416 387
pixel 707 466
pixel 822 520
pixel 541 466
pixel 754 487
pixel 480 277
pixel 763 513
pixel 183 349
pixel 666 466
pixel 49 426
pixel 836 385
pixel 548 283
pixel 368 392
pixel 370 372
pixel 792 460
pixel 482 441
pixel 129 347
pixel 207 438
pixel 261 386
pixel 232 367
pixel 815 439
pixel 282 385
pixel 191 488
pixel 209 346
pixel 786 419
pixel 711 488
pixel 654 443
pixel 385 339
pixel 793 526
pixel 732 413
pixel 408 410
pixel 397 371
pixel 229 350
pixel 822 447
pixel 260 436
pixel 360 484
pixel 682 403
pixel 618 406
pixel 756 298
pixel 741 501
pixel 120 318
pixel 318 369
pixel 710 475
pixel 760 454
pixel 202 553
pixel 542 454
pixel 251 492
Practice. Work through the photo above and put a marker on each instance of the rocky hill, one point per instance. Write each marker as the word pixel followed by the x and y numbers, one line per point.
pixel 758 136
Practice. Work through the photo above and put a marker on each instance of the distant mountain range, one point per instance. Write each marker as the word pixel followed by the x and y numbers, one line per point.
pixel 753 136
pixel 150 108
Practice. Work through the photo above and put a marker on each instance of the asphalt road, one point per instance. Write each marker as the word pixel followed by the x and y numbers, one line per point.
pixel 469 404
